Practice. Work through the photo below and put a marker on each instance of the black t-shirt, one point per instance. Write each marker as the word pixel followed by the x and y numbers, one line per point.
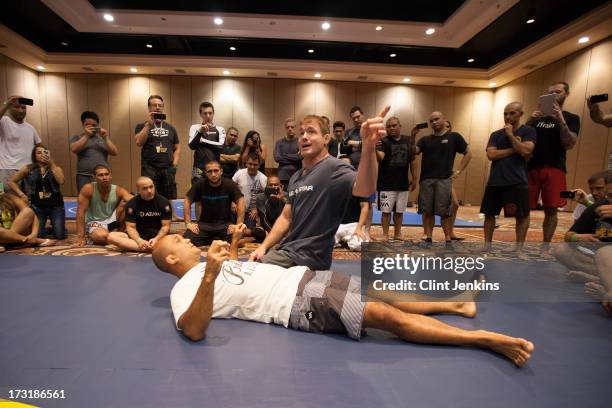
pixel 393 169
pixel 353 151
pixel 229 169
pixel 216 202
pixel 353 210
pixel 439 154
pixel 590 223
pixel 148 215
pixel 548 150
pixel 511 170
pixel 204 152
pixel 158 149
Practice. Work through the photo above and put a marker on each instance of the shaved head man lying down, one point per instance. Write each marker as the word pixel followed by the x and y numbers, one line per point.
pixel 301 299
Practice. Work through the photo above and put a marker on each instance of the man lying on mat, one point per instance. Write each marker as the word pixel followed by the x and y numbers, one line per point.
pixel 302 299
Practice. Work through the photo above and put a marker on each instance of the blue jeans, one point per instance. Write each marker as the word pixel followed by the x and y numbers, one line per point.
pixel 58 221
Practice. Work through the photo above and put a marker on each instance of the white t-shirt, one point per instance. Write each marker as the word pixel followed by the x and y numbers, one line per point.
pixel 195 128
pixel 579 209
pixel 250 186
pixel 243 290
pixel 16 143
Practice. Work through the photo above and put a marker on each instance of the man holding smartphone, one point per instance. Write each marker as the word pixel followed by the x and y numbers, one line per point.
pixel 206 140
pixel 160 148
pixel 17 138
pixel 92 148
pixel 556 133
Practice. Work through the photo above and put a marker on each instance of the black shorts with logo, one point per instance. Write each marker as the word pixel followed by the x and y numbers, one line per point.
pixel 513 199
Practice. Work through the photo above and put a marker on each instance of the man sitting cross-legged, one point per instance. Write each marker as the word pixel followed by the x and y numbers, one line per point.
pixel 147 219
pixel 223 287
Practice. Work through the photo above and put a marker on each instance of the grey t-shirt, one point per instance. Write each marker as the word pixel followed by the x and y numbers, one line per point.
pixel 93 154
pixel 318 199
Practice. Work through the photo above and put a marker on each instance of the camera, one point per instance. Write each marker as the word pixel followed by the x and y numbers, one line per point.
pixel 567 194
pixel 271 190
pixel 25 101
pixel 598 98
pixel 159 116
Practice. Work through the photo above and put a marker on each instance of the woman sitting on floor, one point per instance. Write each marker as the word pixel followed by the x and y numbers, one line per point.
pixel 18 223
pixel 43 179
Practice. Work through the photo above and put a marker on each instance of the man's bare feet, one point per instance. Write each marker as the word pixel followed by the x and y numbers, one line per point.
pixel 2 249
pixel 595 290
pixel 581 277
pixel 516 349
pixel 467 309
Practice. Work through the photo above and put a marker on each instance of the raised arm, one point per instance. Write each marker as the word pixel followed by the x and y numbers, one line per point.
pixel 14 182
pixel 143 134
pixel 194 322
pixel 83 204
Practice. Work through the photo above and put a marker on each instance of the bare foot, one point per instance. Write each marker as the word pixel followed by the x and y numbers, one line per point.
pixel 594 290
pixel 467 309
pixel 516 349
pixel 397 238
pixel 2 249
pixel 581 277
pixel 385 238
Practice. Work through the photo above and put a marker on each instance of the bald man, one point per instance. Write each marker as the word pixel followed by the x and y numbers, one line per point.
pixel 147 219
pixel 435 186
pixel 508 188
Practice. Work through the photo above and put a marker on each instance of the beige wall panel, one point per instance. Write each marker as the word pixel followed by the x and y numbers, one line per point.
pixel 243 107
pixel 160 85
pixel 345 100
pixel 139 92
pixel 121 130
pixel 325 99
pixel 180 91
pixel 552 73
pixel 201 91
pixel 462 123
pixel 76 94
pixel 365 98
pixel 577 76
pixel 223 96
pixel 14 78
pixel 305 91
pixel 57 125
pixel 98 98
pixel 532 89
pixel 385 96
pixel 285 99
pixel 30 79
pixel 476 171
pixel 42 92
pixel 264 111
pixel 423 107
pixel 403 99
pixel 3 90
pixel 443 102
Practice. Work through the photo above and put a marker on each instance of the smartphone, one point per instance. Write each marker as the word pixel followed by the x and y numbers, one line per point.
pixel 45 153
pixel 96 130
pixel 567 194
pixel 422 125
pixel 598 98
pixel 25 101
pixel 271 190
pixel 159 116
pixel 546 103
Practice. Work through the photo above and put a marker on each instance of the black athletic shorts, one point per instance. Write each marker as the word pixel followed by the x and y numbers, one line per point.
pixel 513 199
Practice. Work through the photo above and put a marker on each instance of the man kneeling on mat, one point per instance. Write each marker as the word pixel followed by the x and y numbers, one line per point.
pixel 315 301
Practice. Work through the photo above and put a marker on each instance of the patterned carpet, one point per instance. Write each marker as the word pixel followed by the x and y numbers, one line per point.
pixel 504 235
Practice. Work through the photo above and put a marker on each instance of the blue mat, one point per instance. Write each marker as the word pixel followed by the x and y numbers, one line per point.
pixel 101 329
pixel 410 218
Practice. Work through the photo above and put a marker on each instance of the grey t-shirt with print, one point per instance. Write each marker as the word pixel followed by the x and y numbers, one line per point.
pixel 318 198
pixel 94 154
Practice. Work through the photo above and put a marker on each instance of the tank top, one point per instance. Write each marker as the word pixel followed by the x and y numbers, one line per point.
pixel 6 218
pixel 101 210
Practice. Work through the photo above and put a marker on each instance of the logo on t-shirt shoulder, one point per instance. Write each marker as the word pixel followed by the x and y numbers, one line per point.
pixel 300 189
pixel 444 141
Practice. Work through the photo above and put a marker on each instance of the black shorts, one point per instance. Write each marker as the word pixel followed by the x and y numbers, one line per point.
pixel 513 199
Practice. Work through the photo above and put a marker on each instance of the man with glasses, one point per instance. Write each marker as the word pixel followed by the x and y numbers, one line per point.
pixel 216 194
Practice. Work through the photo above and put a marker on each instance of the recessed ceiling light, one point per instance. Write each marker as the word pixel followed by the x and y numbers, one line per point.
pixel 218 20
pixel 64 43
pixel 430 31
pixel 492 84
pixel 378 28
pixel 531 15
pixel 149 45
pixel 109 17
pixel 317 75
pixel 133 69
pixel 226 72
pixel 583 40
pixel 310 51
pixel 393 55
pixel 406 79
pixel 471 60
pixel 325 25
pixel 232 48
pixel 531 20
pixel 40 67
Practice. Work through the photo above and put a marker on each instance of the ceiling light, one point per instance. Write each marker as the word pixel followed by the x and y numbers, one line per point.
pixel 406 79
pixel 218 20
pixel 64 43
pixel 430 31
pixel 471 60
pixel 133 69
pixel 325 25
pixel 149 46
pixel 531 20
pixel 378 28
pixel 109 17
pixel 226 72
pixel 317 75
pixel 310 51
pixel 393 55
pixel 40 67
pixel 583 40
pixel 531 14
pixel 232 48
pixel 492 84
